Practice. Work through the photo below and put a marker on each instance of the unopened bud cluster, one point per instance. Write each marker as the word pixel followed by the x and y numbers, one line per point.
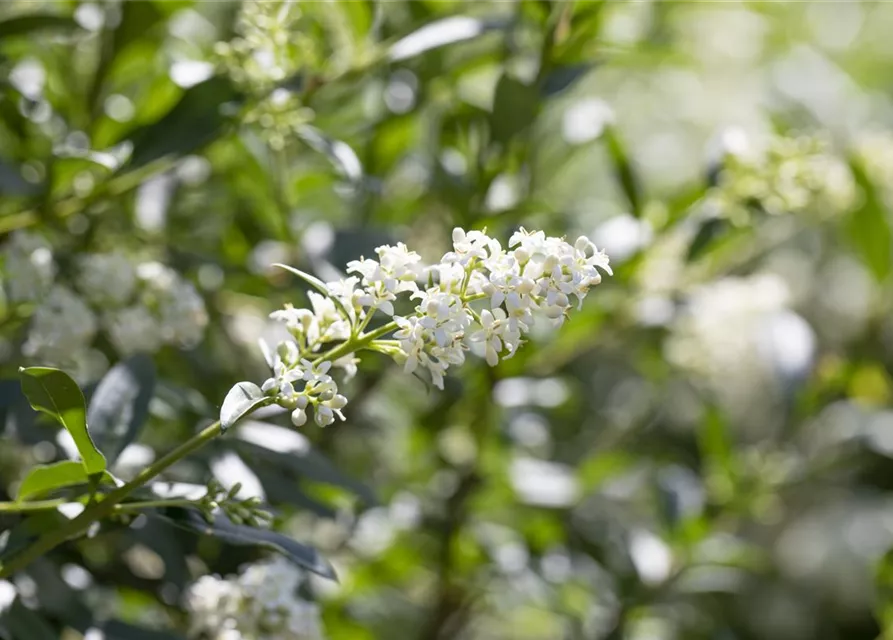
pixel 481 297
pixel 248 511
pixel 790 175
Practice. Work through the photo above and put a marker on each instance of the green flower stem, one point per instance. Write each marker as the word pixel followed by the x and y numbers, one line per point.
pixel 37 505
pixel 46 505
pixel 361 342
pixel 154 504
pixel 108 504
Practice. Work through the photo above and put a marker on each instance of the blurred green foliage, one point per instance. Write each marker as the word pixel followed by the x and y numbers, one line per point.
pixel 703 451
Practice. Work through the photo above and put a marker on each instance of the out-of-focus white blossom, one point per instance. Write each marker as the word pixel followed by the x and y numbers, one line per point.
pixel 133 330
pixel 728 337
pixel 261 603
pixel 106 278
pixel 28 267
pixel 480 297
pixel 62 325
pixel 141 306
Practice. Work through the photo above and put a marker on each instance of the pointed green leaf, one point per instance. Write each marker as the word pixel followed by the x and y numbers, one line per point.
pixel 54 392
pixel 317 284
pixel 515 107
pixel 45 478
pixel 624 170
pixel 868 228
pixel 120 405
pixel 199 118
pixel 27 24
pixel 236 534
pixel 241 400
pixel 708 233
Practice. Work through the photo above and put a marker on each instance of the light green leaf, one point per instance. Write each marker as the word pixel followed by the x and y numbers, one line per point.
pixel 241 400
pixel 317 284
pixel 54 392
pixel 45 478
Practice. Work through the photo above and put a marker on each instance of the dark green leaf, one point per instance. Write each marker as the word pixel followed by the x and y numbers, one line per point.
pixel 10 393
pixel 25 25
pixel 710 230
pixel 339 153
pixel 240 535
pixel 54 392
pixel 117 630
pixel 562 77
pixel 515 106
pixel 120 405
pixel 25 624
pixel 13 184
pixel 623 170
pixel 868 228
pixel 242 399
pixel 28 530
pixel 197 119
pixel 42 479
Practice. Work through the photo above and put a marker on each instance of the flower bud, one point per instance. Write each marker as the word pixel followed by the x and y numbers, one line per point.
pixel 299 417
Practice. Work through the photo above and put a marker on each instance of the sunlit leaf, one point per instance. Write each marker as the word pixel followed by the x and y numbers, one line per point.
pixel 53 392
pixel 623 170
pixel 241 400
pixel 317 284
pixel 43 479
pixel 439 34
pixel 869 228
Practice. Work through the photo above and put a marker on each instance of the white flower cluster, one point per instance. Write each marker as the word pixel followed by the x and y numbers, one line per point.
pixel 140 306
pixel 479 297
pixel 791 175
pixel 740 338
pixel 258 604
pixel 28 268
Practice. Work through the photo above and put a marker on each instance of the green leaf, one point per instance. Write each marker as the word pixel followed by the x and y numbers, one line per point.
pixel 317 284
pixel 339 153
pixel 868 228
pixel 884 589
pixel 25 624
pixel 45 478
pixel 241 400
pixel 13 184
pixel 120 405
pixel 117 630
pixel 710 230
pixel 240 535
pixel 515 107
pixel 136 21
pixel 25 25
pixel 623 170
pixel 54 392
pixel 196 120
pixel 441 33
